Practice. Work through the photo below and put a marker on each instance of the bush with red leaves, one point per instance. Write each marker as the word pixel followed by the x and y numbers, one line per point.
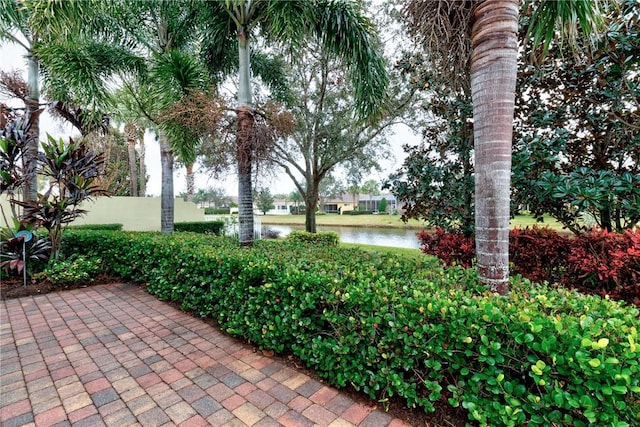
pixel 598 262
pixel 539 254
pixel 605 262
pixel 451 248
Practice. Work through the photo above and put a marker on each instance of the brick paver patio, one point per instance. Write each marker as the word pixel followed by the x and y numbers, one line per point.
pixel 115 355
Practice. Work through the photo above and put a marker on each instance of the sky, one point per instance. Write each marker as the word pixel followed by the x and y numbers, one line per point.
pixel 13 60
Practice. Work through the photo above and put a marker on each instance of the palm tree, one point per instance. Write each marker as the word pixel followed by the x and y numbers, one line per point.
pixel 492 57
pixel 131 133
pixel 15 28
pixel 145 44
pixel 338 25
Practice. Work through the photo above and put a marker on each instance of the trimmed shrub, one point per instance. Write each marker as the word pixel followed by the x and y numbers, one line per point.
pixel 606 263
pixel 539 254
pixel 401 327
pixel 217 211
pixel 357 212
pixel 203 227
pixel 451 248
pixel 77 269
pixel 597 262
pixel 321 238
pixel 97 227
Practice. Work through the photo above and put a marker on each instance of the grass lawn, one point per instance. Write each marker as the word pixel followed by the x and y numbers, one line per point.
pixel 387 221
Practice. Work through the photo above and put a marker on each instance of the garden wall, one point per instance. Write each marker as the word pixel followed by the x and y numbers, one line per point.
pixel 134 213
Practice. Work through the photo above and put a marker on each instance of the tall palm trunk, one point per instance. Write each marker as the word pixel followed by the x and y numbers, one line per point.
pixel 191 182
pixel 245 187
pixel 493 81
pixel 33 105
pixel 244 143
pixel 142 176
pixel 166 197
pixel 130 133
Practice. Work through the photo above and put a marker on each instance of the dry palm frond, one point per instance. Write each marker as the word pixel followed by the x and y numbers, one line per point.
pixel 13 85
pixel 443 27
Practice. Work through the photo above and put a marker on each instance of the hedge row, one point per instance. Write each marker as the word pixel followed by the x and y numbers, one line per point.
pixel 399 327
pixel 217 211
pixel 103 227
pixel 598 262
pixel 357 212
pixel 327 238
pixel 203 227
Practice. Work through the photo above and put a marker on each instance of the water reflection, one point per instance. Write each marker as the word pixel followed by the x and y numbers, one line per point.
pixel 369 236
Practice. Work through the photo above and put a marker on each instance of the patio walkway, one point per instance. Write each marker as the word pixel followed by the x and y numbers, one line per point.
pixel 115 355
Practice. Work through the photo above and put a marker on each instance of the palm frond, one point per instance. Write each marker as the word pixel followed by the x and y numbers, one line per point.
pixel 565 18
pixel 271 70
pixel 174 74
pixel 344 30
pixel 444 29
pixel 287 20
pixel 219 41
pixel 81 71
pixel 14 19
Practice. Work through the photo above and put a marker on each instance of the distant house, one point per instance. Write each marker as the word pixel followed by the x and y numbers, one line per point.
pixel 372 203
pixel 281 207
pixel 362 202
pixel 339 204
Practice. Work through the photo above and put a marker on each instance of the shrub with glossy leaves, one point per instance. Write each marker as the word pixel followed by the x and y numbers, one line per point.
pixel 406 328
pixel 326 238
pixel 205 227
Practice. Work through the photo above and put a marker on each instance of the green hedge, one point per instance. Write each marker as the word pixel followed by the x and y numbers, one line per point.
pixel 97 227
pixel 357 213
pixel 217 211
pixel 400 327
pixel 328 238
pixel 203 227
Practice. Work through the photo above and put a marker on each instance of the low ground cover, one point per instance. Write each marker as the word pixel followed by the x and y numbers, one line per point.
pixel 400 327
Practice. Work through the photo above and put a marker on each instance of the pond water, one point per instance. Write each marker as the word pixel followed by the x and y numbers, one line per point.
pixel 369 236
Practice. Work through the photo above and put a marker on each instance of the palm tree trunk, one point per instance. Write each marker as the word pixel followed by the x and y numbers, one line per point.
pixel 142 185
pixel 244 144
pixel 33 138
pixel 191 182
pixel 130 133
pixel 166 197
pixel 493 82
pixel 245 188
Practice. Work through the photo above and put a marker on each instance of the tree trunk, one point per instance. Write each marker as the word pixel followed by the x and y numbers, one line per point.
pixel 30 190
pixel 142 176
pixel 468 221
pixel 191 182
pixel 166 197
pixel 311 201
pixel 245 188
pixel 244 143
pixel 130 133
pixel 493 81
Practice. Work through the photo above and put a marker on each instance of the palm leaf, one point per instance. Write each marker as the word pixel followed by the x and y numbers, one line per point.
pixel 566 18
pixel 80 71
pixel 346 32
pixel 14 18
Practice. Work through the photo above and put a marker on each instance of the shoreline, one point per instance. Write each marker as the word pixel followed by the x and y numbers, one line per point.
pixel 331 222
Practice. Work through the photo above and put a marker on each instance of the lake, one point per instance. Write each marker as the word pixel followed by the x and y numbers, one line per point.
pixel 369 236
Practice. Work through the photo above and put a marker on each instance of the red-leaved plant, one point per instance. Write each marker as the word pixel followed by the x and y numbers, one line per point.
pixel 597 262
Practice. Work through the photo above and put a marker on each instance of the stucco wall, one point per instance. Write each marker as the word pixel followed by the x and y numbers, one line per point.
pixel 134 213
